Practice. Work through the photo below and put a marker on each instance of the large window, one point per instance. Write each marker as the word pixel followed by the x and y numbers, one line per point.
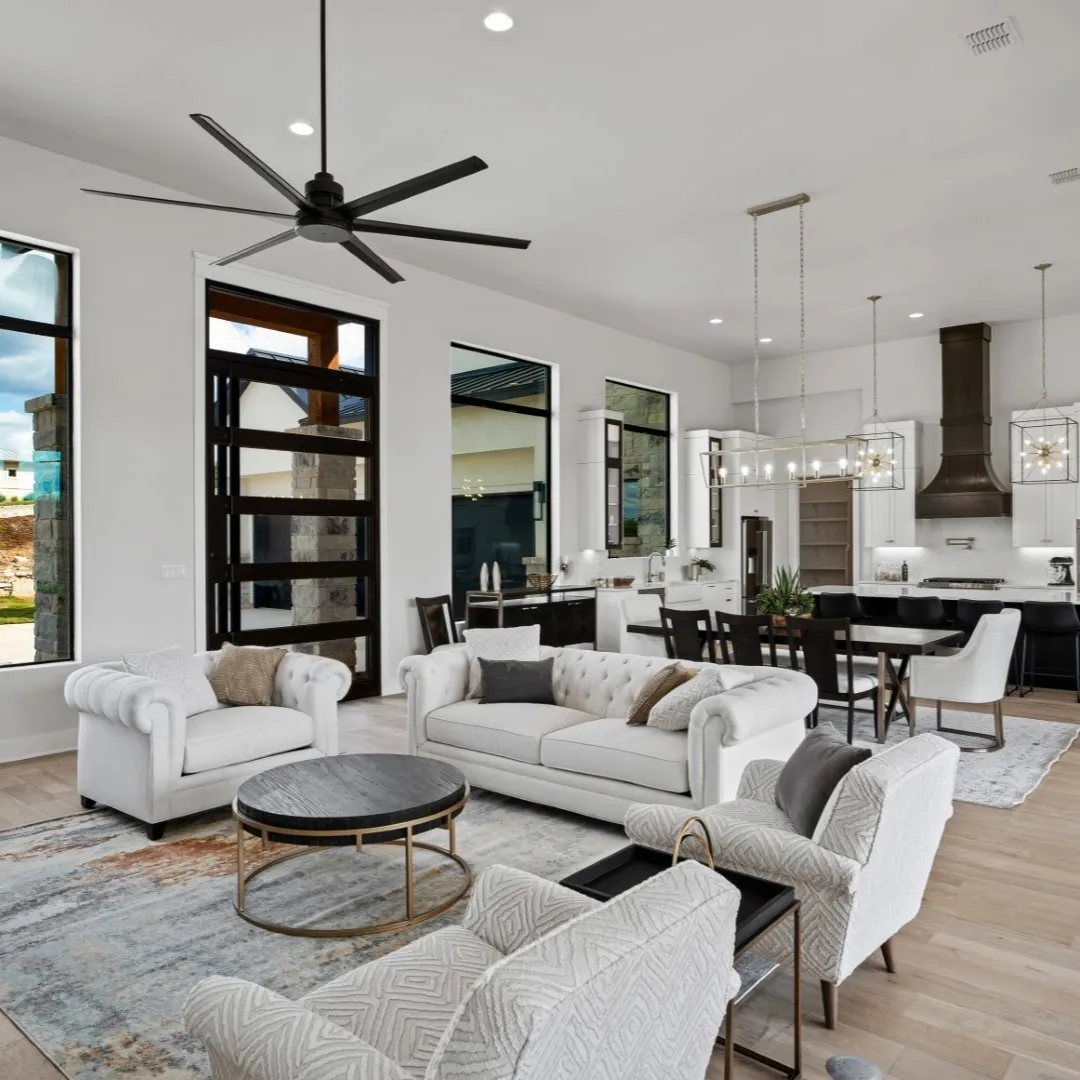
pixel 292 480
pixel 501 421
pixel 35 447
pixel 646 461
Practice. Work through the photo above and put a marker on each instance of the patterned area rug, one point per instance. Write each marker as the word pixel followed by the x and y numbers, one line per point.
pixel 104 932
pixel 1002 779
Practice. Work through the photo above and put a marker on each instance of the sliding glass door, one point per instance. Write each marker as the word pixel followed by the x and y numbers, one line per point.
pixel 292 480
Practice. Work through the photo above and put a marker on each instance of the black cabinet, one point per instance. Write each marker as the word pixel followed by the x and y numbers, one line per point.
pixel 565 616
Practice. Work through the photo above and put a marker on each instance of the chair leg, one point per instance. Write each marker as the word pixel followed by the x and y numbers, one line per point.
pixel 851 719
pixel 155 830
pixel 86 802
pixel 938 715
pixel 999 727
pixel 830 1001
pixel 1076 647
pixel 887 956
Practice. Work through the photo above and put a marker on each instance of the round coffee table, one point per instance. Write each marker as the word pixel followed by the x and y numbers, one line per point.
pixel 350 799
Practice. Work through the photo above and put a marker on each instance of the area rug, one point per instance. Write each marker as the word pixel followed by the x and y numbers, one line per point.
pixel 1002 779
pixel 104 932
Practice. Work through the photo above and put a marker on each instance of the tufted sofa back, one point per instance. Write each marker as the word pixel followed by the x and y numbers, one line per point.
pixel 604 684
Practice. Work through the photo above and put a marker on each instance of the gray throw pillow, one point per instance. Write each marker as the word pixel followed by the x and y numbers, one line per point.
pixel 503 681
pixel 805 783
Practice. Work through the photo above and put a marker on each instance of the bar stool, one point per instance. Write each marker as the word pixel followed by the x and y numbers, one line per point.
pixel 1047 619
pixel 922 612
pixel 840 605
pixel 969 612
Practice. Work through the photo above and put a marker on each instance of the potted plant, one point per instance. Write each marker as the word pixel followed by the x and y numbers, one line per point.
pixel 698 566
pixel 785 597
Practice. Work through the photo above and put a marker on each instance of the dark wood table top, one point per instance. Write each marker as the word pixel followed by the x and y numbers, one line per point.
pixel 350 791
pixel 895 640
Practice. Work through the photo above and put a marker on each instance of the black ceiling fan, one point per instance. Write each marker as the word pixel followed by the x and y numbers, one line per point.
pixel 321 212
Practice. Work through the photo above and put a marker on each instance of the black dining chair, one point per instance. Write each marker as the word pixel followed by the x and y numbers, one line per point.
pixel 1046 619
pixel 829 661
pixel 921 612
pixel 437 623
pixel 749 640
pixel 840 605
pixel 683 634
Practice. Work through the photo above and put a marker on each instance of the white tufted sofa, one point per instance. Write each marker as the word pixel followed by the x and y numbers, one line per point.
pixel 580 754
pixel 140 754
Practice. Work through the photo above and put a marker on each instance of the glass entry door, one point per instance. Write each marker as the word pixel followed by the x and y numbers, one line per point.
pixel 292 480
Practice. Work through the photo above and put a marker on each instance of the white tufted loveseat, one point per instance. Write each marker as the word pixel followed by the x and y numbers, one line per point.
pixel 141 754
pixel 580 754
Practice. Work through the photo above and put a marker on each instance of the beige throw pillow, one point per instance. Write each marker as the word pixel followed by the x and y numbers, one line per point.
pixel 658 686
pixel 179 670
pixel 244 675
pixel 672 713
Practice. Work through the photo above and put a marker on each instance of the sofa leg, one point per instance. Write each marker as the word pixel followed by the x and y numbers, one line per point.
pixel 887 956
pixel 155 830
pixel 830 1000
pixel 86 803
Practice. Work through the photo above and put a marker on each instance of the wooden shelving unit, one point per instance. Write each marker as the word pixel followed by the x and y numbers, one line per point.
pixel 825 534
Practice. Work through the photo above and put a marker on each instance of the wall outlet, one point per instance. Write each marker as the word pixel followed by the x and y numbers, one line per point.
pixel 173 571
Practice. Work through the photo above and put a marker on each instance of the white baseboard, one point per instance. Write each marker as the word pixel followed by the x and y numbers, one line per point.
pixel 22 747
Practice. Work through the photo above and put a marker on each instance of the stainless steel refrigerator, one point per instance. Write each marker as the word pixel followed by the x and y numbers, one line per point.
pixel 756 558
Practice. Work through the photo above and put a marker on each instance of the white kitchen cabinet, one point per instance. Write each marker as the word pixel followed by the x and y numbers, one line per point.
pixel 600 494
pixel 887 517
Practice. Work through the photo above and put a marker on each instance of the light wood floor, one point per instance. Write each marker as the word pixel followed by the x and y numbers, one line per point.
pixel 988 986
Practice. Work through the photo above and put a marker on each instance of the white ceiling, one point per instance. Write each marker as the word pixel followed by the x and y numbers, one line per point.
pixel 625 137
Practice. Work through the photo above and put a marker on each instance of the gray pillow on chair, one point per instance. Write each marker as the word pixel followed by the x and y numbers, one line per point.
pixel 805 783
pixel 503 681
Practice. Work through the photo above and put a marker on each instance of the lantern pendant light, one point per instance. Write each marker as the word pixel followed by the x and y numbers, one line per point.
pixel 880 463
pixel 1044 440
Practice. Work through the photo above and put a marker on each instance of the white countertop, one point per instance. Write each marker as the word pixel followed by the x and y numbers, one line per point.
pixel 1009 592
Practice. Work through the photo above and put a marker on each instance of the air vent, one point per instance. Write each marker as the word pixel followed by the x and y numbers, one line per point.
pixel 993 38
pixel 1066 176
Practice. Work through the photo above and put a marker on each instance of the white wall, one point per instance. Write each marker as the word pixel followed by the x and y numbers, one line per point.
pixel 136 408
pixel 839 390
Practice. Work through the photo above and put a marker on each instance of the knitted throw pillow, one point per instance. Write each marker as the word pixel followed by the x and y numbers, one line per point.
pixel 244 675
pixel 658 686
pixel 672 713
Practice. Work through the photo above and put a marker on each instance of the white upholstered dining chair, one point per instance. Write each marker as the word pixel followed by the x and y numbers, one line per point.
pixel 639 608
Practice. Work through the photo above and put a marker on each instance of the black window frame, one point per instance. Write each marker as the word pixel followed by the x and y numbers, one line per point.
pixel 643 429
pixel 63 330
pixel 523 410
pixel 224 438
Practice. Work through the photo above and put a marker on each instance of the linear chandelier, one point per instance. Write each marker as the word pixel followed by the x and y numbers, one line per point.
pixel 1043 439
pixel 880 466
pixel 796 462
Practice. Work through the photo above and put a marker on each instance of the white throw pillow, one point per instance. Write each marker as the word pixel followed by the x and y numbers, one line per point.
pixel 178 668
pixel 672 713
pixel 505 643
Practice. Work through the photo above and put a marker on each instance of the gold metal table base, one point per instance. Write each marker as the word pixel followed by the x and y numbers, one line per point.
pixel 412 917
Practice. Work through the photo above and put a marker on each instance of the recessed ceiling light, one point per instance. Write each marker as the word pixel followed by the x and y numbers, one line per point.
pixel 765 340
pixel 716 322
pixel 915 315
pixel 301 127
pixel 498 21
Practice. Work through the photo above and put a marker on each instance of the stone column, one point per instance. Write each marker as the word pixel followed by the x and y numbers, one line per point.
pixel 52 528
pixel 325 539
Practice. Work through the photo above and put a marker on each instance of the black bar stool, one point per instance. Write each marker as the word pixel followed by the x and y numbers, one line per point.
pixel 969 612
pixel 1047 619
pixel 922 612
pixel 840 605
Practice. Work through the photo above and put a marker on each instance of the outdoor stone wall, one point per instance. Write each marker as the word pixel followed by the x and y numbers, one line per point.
pixel 52 528
pixel 325 539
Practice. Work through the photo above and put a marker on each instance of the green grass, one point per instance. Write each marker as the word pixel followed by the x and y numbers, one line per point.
pixel 16 609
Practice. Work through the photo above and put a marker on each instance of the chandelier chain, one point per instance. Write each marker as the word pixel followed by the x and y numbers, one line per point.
pixel 757 346
pixel 802 323
pixel 1042 268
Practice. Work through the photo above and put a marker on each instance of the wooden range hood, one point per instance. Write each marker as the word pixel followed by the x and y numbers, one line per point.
pixel 966 484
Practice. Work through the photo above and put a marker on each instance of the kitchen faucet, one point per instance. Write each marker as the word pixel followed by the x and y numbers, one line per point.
pixel 649 576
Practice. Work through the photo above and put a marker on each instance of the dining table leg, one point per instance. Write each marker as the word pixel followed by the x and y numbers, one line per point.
pixel 882 682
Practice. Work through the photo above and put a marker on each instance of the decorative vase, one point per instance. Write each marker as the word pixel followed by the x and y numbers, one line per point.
pixel 496 577
pixel 484 578
pixel 695 571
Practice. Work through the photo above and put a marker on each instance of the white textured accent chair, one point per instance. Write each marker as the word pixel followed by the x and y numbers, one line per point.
pixel 539 983
pixel 142 755
pixel 860 877
pixel 640 608
pixel 976 675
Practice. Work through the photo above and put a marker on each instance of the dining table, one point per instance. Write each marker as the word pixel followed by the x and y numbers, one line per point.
pixel 888 643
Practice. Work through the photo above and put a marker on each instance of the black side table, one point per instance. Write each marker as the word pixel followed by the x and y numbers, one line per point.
pixel 763 905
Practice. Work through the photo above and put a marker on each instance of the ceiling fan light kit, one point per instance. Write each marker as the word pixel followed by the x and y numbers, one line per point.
pixel 322 215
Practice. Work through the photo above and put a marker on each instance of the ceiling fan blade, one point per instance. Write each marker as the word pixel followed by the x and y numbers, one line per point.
pixel 213 128
pixel 366 255
pixel 180 202
pixel 422 232
pixel 416 186
pixel 256 248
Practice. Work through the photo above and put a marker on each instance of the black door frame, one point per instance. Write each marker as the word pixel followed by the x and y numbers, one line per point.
pixel 226 376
